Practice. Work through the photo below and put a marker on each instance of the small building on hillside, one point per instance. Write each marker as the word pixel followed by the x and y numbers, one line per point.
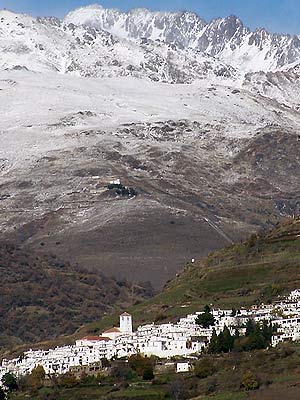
pixel 183 367
pixel 115 182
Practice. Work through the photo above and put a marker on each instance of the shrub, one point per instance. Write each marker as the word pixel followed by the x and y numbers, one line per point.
pixel 36 378
pixel 10 382
pixel 252 240
pixel 249 381
pixel 2 394
pixel 177 390
pixel 211 385
pixel 68 380
pixel 148 374
pixel 140 364
pixel 204 368
pixel 88 380
pixel 122 372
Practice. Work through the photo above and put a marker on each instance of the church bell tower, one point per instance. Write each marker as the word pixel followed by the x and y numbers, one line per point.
pixel 126 323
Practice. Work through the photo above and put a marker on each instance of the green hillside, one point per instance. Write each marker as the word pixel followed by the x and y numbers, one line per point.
pixel 258 270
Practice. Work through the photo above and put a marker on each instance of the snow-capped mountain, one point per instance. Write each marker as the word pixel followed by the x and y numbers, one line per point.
pixel 164 47
pixel 48 44
pixel 176 28
pixel 226 38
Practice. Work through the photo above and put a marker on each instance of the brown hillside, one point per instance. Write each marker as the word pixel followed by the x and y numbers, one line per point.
pixel 42 297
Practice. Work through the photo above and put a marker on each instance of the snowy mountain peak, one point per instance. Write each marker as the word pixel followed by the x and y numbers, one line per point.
pixel 92 15
pixel 225 38
pixel 4 12
pixel 140 23
pixel 50 45
pixel 92 8
pixel 160 46
pixel 233 19
pixel 8 16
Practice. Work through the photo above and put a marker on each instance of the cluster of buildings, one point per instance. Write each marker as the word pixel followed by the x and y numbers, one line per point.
pixel 182 339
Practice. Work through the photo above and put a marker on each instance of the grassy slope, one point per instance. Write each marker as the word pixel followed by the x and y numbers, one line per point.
pixel 257 270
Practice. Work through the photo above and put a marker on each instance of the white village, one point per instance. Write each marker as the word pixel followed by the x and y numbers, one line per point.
pixel 184 339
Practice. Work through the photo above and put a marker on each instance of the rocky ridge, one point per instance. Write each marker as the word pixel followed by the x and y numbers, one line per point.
pixel 225 38
pixel 88 51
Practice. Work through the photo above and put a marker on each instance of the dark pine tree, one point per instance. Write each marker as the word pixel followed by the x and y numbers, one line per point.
pixel 206 319
pixel 214 343
pixel 250 327
pixel 10 382
pixel 267 331
pixel 227 341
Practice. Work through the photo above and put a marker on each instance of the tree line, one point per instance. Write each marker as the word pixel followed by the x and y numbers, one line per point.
pixel 257 336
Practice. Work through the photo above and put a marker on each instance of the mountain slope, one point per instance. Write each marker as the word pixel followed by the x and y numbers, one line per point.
pixel 43 298
pixel 211 160
pixel 210 163
pixel 282 86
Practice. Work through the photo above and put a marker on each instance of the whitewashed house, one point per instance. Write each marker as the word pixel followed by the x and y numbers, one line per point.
pixel 183 367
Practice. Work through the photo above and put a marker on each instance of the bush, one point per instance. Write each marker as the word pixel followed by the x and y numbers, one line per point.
pixel 249 381
pixel 10 382
pixel 122 372
pixel 204 368
pixel 140 364
pixel 211 385
pixel 177 390
pixel 88 380
pixel 252 240
pixel 148 374
pixel 36 378
pixel 68 380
